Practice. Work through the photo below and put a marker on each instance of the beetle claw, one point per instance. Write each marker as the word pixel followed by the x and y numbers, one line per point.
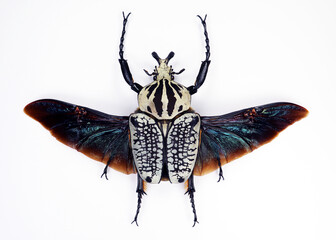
pixel 203 19
pixel 190 191
pixel 195 221
pixel 140 192
pixel 105 173
pixel 125 18
pixel 220 174
pixel 136 222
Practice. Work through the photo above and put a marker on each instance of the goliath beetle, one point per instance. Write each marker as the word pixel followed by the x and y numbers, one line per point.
pixel 164 140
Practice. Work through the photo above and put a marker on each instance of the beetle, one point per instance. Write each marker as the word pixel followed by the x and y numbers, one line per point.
pixel 164 139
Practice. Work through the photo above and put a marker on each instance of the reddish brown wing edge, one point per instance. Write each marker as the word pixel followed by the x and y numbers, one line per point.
pixel 99 136
pixel 228 137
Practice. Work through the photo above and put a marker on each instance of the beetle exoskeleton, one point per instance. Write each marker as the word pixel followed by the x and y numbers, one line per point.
pixel 164 139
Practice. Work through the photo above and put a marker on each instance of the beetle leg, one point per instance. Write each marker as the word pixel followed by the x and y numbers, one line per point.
pixel 141 191
pixel 105 172
pixel 190 191
pixel 123 63
pixel 205 64
pixel 106 168
pixel 220 170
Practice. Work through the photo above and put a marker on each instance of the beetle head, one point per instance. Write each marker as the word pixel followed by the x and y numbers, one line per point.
pixel 163 71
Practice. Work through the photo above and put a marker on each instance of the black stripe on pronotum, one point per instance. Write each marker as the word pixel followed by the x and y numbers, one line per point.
pixel 164 140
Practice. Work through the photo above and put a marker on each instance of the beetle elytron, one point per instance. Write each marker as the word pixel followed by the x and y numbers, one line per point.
pixel 164 139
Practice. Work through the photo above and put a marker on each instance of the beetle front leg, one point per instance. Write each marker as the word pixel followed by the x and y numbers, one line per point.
pixel 190 191
pixel 141 191
pixel 205 64
pixel 123 63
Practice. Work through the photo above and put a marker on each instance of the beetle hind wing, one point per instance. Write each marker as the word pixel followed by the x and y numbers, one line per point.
pixel 99 136
pixel 227 137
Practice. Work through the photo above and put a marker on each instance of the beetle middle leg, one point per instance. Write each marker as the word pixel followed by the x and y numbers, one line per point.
pixel 205 64
pixel 140 191
pixel 123 63
pixel 190 191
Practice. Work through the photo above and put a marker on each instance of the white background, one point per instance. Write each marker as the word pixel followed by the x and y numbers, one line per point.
pixel 261 52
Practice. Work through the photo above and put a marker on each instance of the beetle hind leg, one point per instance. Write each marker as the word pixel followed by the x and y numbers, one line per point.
pixel 190 191
pixel 140 191
pixel 220 170
pixel 106 168
pixel 220 174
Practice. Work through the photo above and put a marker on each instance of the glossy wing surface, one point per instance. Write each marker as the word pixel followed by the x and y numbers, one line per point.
pixel 98 135
pixel 228 137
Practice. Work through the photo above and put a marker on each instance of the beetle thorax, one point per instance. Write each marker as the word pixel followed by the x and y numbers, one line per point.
pixel 164 98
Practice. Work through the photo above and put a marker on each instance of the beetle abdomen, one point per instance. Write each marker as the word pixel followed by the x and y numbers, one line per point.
pixel 164 99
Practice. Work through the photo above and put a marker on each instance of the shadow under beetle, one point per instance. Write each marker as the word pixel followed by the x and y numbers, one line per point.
pixel 164 140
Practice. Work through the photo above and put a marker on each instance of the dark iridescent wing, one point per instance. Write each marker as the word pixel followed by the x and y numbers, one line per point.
pixel 98 135
pixel 230 136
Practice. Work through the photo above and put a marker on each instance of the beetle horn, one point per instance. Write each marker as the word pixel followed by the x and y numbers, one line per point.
pixel 158 59
pixel 156 56
pixel 170 56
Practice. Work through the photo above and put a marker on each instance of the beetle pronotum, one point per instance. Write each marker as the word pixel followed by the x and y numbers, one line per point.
pixel 164 140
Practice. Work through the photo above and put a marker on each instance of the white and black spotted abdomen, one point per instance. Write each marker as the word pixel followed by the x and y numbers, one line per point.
pixel 164 99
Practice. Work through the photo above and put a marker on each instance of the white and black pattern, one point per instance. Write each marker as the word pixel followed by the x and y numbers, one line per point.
pixel 182 147
pixel 164 99
pixel 147 147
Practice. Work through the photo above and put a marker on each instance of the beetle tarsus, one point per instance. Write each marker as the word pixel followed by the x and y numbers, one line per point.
pixel 106 168
pixel 220 174
pixel 140 190
pixel 190 191
pixel 140 194
pixel 220 170
pixel 105 172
